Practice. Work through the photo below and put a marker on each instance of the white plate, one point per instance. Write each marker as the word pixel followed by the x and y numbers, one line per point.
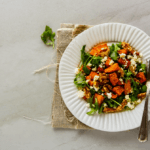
pixel 108 32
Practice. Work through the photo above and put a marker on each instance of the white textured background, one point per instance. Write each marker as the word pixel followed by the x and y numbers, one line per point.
pixel 25 94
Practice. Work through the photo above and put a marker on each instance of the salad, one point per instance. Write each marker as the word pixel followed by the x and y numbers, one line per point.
pixel 111 78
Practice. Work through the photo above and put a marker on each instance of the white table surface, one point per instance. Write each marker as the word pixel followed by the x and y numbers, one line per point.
pixel 22 52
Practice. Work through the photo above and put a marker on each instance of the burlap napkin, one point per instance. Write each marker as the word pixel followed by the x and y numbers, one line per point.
pixel 61 116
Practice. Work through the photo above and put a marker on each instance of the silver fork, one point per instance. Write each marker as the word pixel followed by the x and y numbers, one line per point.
pixel 143 132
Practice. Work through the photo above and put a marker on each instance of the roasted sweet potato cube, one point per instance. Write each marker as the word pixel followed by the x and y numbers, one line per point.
pixel 123 51
pixel 114 96
pixel 100 69
pixel 112 68
pixel 120 82
pixel 88 77
pixel 100 98
pixel 127 87
pixel 124 62
pixel 92 74
pixel 108 62
pixel 118 90
pixel 113 78
pixel 91 83
pixel 141 76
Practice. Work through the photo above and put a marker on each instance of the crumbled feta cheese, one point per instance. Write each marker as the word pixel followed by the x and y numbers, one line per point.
pixel 80 93
pixel 101 66
pixel 87 81
pixel 102 94
pixel 111 62
pixel 105 105
pixel 120 79
pixel 114 107
pixel 127 97
pixel 141 69
pixel 104 48
pixel 134 53
pixel 141 55
pixel 129 57
pixel 139 60
pixel 76 71
pixel 87 105
pixel 96 88
pixel 134 57
pixel 131 106
pixel 91 87
pixel 94 69
pixel 104 59
pixel 138 101
pixel 122 55
pixel 109 95
pixel 133 63
pixel 131 90
pixel 89 64
pixel 96 77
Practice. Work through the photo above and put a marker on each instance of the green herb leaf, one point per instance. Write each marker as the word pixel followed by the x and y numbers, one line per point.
pixel 144 88
pixel 114 52
pixel 96 104
pixel 48 35
pixel 119 45
pixel 101 108
pixel 90 100
pixel 80 80
pixel 120 99
pixel 86 70
pixel 96 60
pixel 92 112
pixel 115 102
pixel 84 56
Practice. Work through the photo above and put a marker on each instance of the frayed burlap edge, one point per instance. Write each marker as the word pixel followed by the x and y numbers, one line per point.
pixel 61 116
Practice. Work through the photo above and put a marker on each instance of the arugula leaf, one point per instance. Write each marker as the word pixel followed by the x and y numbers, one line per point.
pixel 114 52
pixel 143 88
pixel 109 103
pixel 115 102
pixel 120 99
pixel 133 97
pixel 48 34
pixel 112 48
pixel 119 45
pixel 92 112
pixel 96 104
pixel 90 100
pixel 101 108
pixel 96 60
pixel 92 91
pixel 85 69
pixel 80 80
pixel 84 56
pixel 141 66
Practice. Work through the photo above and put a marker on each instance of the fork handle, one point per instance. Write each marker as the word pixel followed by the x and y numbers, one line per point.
pixel 143 133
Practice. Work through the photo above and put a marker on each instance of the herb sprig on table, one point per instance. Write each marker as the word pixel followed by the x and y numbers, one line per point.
pixel 48 36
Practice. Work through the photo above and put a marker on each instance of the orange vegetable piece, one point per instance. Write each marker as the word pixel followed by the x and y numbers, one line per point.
pixel 113 78
pixel 120 83
pixel 96 50
pixel 127 87
pixel 112 68
pixel 124 62
pixel 133 51
pixel 100 98
pixel 92 74
pixel 123 51
pixel 88 67
pixel 88 78
pixel 100 69
pixel 81 68
pixel 141 76
pixel 107 62
pixel 114 96
pixel 118 90
pixel 90 83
